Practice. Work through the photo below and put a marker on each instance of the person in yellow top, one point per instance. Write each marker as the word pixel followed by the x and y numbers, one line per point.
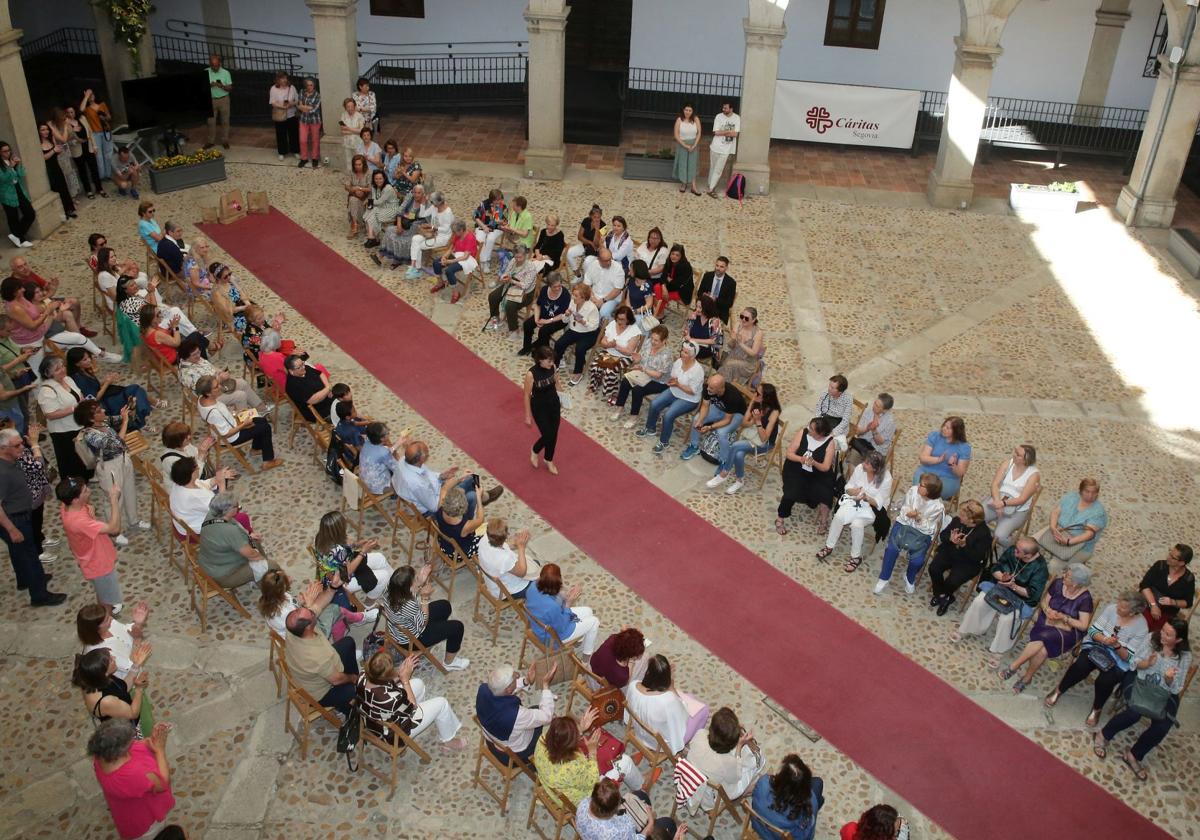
pixel 219 84
pixel 566 761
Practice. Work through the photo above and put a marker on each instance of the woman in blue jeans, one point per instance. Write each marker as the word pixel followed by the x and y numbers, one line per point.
pixel 763 418
pixel 685 386
pixel 919 519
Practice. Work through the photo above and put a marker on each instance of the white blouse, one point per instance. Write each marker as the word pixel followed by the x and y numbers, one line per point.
pixel 584 318
pixel 190 504
pixel 1013 487
pixel 120 645
pixel 663 713
pixel 219 417
pixel 624 337
pixel 53 396
pixel 656 262
pixel 930 510
pixel 878 493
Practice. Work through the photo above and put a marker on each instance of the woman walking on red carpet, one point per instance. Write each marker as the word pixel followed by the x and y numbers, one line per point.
pixel 542 405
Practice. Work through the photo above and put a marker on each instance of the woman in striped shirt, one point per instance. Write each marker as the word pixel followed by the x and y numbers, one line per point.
pixel 429 622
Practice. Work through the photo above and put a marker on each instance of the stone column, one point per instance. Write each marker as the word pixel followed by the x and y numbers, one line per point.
pixel 1156 203
pixel 218 23
pixel 757 109
pixel 950 181
pixel 545 79
pixel 118 65
pixel 18 118
pixel 335 25
pixel 1111 18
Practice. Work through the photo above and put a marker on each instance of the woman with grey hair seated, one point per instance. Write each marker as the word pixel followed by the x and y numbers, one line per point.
pixel 459 256
pixel 1066 612
pixel 451 521
pixel 1117 643
pixel 515 291
pixel 432 235
pixel 229 551
pixel 134 775
pixel 235 392
pixel 415 211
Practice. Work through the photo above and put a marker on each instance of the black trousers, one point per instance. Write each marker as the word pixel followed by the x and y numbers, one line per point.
pixel 20 218
pixel 583 341
pixel 58 183
pixel 260 433
pixel 547 412
pixel 1151 736
pixel 287 136
pixel 89 173
pixel 24 556
pixel 1106 682
pixel 946 577
pixel 339 696
pixel 640 392
pixel 65 457
pixel 439 627
pixel 544 333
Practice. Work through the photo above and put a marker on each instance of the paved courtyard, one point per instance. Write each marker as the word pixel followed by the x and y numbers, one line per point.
pixel 1070 334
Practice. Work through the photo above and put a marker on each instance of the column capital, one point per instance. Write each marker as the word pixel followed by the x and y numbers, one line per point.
pixel 1116 20
pixel 976 55
pixel 1189 74
pixel 332 8
pixel 543 21
pixel 758 35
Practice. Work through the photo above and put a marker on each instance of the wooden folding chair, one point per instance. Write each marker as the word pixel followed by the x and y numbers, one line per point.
pixel 560 809
pixel 1023 531
pixel 394 744
pixel 754 826
pixel 158 371
pixel 223 445
pixel 356 497
pixel 308 709
pixel 722 805
pixel 657 754
pixel 417 525
pixel 504 603
pixel 452 561
pixel 415 646
pixel 544 650
pixel 103 305
pixel 206 586
pixel 1187 681
pixel 175 283
pixel 275 660
pixel 586 683
pixel 772 459
pixel 507 764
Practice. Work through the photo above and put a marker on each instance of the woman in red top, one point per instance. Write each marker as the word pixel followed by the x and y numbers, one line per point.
pixel 881 822
pixel 460 256
pixel 167 343
pixel 677 281
pixel 135 776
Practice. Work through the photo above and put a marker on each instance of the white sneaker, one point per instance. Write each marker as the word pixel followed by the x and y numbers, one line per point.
pixel 121 539
pixel 616 415
pixel 492 325
pixel 716 481
pixel 880 585
pixel 460 663
pixel 281 157
pixel 25 243
pixel 14 240
pixel 115 358
pixel 115 609
pixel 370 615
pixel 143 525
pixel 630 423
pixel 733 488
pixel 51 542
pixel 910 588
pixel 47 557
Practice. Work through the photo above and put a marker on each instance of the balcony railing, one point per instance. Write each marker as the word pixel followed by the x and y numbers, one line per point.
pixel 659 94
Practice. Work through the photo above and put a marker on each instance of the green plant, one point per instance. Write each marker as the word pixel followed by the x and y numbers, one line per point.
pixel 173 161
pixel 663 153
pixel 1064 186
pixel 130 23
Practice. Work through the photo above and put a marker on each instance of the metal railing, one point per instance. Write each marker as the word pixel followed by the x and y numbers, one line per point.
pixel 652 93
pixel 243 58
pixel 69 40
pixel 1158 45
pixel 450 81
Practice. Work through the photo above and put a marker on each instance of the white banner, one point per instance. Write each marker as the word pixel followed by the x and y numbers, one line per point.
pixel 858 116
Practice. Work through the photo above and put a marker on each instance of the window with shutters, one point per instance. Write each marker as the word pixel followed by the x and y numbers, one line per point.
pixel 854 23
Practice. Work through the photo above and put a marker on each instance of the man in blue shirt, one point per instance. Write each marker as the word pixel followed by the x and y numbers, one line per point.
pixel 425 488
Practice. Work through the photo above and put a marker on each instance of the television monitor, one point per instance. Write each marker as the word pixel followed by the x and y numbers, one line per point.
pixel 167 100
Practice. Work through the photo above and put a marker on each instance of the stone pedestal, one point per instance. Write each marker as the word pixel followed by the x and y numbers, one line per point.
pixel 335 27
pixel 118 64
pixel 546 21
pixel 1156 203
pixel 1111 18
pixel 757 109
pixel 14 98
pixel 950 181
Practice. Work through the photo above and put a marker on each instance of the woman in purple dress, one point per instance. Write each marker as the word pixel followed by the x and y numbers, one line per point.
pixel 1064 617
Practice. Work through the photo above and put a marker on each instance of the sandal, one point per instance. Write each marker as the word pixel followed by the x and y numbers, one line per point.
pixel 1006 674
pixel 823 553
pixel 1099 745
pixel 1093 718
pixel 1019 686
pixel 780 529
pixel 1132 764
pixel 683 188
pixel 852 564
pixel 1052 699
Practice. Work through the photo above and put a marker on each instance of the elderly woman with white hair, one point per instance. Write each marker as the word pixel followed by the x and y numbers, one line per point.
pixel 514 292
pixel 228 551
pixel 195 269
pixel 1065 614
pixel 460 256
pixel 415 212
pixel 431 236
pixel 504 719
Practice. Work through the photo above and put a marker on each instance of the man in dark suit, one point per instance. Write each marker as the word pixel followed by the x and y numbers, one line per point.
pixel 720 287
pixel 170 247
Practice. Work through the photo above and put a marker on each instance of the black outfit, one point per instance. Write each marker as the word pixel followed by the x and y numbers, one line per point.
pixel 1183 589
pixel 730 401
pixel 116 687
pixel 640 392
pixel 1152 735
pixel 551 247
pixel 85 164
pixel 468 544
pixel 58 182
pixel 18 507
pixel 952 566
pixel 547 308
pixel 169 253
pixel 1106 681
pixel 799 485
pixel 589 233
pixel 680 279
pixel 440 627
pixel 287 136
pixel 300 389
pixel 725 294
pixel 339 697
pixel 545 408
pixel 20 218
pixel 583 341
pixel 260 433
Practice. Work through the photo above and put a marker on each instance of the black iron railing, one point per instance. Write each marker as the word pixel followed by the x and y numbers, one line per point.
pixel 69 40
pixel 652 93
pixel 449 81
pixel 1158 44
pixel 242 58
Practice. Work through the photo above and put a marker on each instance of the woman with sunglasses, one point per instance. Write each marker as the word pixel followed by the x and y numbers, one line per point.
pixel 759 430
pixel 744 353
pixel 149 230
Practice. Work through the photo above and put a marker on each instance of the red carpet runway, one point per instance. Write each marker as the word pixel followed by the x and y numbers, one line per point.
pixel 952 760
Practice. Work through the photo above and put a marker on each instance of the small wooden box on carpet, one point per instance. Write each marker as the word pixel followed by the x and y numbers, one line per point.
pixel 233 207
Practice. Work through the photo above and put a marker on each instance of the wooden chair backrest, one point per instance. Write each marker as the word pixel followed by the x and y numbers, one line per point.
pixel 754 824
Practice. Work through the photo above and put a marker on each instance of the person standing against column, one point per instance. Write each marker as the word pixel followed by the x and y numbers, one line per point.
pixel 219 84
pixel 309 106
pixel 16 524
pixel 99 120
pixel 15 200
pixel 726 128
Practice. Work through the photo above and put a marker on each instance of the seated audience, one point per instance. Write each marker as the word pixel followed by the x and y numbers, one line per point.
pixel 1075 525
pixel 328 672
pixel 719 287
pixel 23 272
pixel 704 328
pixel 620 658
pixel 235 431
pixel 177 441
pixel 551 314
pixel 590 238
pixel 505 720
pixel 728 755
pixel 960 556
pixel 745 348
pixel 1020 577
pixel 408 174
pixel 874 431
pixel 879 822
pixel 358 564
pixel 674 715
pixel 556 610
pixel 190 495
pixel 788 800
pixel 604 276
pixel 647 377
pixel 836 406
pixel 275 604
pixel 133 774
pixel 758 433
pixel 1169 586
pixel 105 695
pixel 415 213
pixel 452 523
pixel 388 693
pixel 1065 615
pixel 602 816
pixel 431 236
pixel 425 489
pixel 148 228
pixel 81 367
pixel 1013 487
pixel 91 539
pixel 33 318
pixel 309 389
pixel 684 387
pixel 234 391
pixel 170 248
pixel 460 256
pixel 1170 659
pixel 349 426
pixel 195 269
pixel 514 292
pixel 866 495
pixel 722 408
pixel 226 550
pixel 549 247
pixel 653 252
pixel 570 763
pixel 95 627
pixel 517 229
pixel 947 455
pixel 507 564
pixel 808 474
pixel 919 519
pixel 677 281
pixel 486 221
pixel 111 273
pixel 167 341
pixel 639 294
pixel 378 461
pixel 617 346
pixel 429 622
pixel 583 327
pixel 1118 643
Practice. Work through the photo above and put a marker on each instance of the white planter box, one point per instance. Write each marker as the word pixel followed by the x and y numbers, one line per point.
pixel 1022 197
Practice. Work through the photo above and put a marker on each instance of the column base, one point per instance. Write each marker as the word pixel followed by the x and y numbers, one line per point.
pixel 544 164
pixel 334 154
pixel 50 215
pixel 758 177
pixel 1150 212
pixel 949 195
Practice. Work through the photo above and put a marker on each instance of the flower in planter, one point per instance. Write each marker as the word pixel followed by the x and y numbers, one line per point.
pixel 173 161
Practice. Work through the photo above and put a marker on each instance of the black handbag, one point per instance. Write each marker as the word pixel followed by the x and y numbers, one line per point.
pixel 1002 600
pixel 861 445
pixel 348 735
pixel 1101 658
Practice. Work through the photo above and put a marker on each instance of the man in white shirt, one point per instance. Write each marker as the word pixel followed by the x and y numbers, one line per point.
pixel 425 488
pixel 607 279
pixel 436 234
pixel 501 562
pixel 505 720
pixel 726 128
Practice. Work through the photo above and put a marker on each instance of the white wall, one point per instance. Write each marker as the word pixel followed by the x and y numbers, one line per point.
pixel 1128 89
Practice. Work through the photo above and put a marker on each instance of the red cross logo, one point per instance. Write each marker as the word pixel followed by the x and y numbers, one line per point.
pixel 818 119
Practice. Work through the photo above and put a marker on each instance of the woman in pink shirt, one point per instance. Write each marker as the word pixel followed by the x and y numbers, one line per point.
pixel 91 539
pixel 460 256
pixel 134 776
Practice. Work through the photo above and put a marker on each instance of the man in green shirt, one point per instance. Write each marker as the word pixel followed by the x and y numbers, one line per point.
pixel 219 84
